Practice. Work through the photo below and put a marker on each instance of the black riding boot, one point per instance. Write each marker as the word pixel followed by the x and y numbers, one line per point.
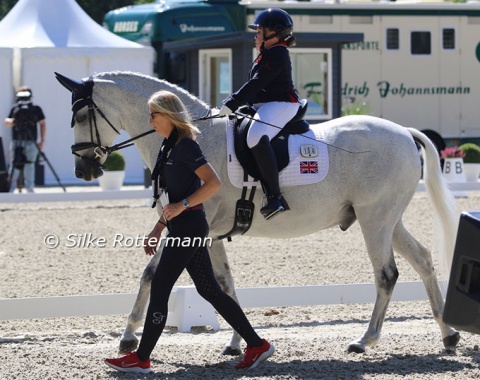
pixel 267 166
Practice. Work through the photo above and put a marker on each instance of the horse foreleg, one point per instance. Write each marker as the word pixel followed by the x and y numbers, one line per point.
pixel 219 259
pixel 385 270
pixel 420 259
pixel 129 341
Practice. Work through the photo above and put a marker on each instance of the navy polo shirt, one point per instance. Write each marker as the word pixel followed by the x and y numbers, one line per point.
pixel 179 171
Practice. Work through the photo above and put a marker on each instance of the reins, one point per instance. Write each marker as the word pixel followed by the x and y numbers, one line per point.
pixel 247 116
pixel 99 149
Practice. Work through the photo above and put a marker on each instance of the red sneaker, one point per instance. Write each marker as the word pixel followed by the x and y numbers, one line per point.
pixel 255 355
pixel 130 363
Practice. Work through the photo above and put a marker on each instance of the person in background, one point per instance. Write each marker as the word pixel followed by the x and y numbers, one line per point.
pixel 183 175
pixel 270 91
pixel 24 117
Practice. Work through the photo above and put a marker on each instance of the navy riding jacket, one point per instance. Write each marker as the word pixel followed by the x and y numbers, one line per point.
pixel 270 80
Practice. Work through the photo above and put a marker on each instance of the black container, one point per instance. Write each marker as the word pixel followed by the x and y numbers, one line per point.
pixel 462 306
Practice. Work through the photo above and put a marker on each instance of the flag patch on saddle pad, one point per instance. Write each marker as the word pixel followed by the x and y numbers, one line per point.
pixel 308 167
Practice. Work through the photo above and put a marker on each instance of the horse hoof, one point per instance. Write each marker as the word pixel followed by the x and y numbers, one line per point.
pixel 127 346
pixel 451 340
pixel 231 351
pixel 355 348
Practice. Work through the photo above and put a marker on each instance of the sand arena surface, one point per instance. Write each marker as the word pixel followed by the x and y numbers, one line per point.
pixel 310 341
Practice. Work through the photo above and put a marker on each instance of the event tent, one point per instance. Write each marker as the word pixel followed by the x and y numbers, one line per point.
pixel 48 36
pixel 6 78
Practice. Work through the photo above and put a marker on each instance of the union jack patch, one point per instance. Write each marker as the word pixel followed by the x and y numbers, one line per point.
pixel 308 167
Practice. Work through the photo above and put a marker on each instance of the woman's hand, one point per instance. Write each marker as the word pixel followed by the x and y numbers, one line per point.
pixel 172 210
pixel 153 238
pixel 211 184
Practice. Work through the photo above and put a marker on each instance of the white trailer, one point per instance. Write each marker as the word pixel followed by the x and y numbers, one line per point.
pixel 419 63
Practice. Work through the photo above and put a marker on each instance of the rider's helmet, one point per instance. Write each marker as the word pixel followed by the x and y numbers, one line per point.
pixel 274 19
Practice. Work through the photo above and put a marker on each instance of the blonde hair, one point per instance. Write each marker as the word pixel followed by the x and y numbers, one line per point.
pixel 170 106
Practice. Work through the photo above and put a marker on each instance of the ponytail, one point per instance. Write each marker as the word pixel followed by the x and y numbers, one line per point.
pixel 290 40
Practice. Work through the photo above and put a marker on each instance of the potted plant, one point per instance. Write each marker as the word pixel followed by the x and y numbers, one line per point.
pixel 114 172
pixel 471 161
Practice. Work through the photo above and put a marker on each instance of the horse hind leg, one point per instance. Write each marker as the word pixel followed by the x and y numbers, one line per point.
pixel 380 251
pixel 420 259
pixel 129 341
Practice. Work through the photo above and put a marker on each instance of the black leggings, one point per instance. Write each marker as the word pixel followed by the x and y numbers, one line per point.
pixel 195 258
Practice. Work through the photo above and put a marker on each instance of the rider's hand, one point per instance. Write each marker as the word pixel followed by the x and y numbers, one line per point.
pixel 225 111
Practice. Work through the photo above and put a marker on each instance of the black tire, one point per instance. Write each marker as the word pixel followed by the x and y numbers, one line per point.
pixel 437 140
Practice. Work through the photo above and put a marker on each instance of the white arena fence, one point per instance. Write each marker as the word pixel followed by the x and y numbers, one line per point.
pixel 187 308
pixel 90 193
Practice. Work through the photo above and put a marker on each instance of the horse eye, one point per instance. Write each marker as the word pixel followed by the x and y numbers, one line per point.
pixel 80 118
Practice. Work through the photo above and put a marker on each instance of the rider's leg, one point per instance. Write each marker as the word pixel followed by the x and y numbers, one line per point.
pixel 270 119
pixel 267 166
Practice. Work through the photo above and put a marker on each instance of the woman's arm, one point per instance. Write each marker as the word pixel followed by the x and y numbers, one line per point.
pixel 211 185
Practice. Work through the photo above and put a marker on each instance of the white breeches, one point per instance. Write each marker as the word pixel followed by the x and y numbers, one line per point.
pixel 275 113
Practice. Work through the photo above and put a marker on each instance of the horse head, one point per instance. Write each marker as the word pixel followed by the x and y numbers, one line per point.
pixel 92 135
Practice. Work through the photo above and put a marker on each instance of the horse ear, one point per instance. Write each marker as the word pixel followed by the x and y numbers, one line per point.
pixel 70 84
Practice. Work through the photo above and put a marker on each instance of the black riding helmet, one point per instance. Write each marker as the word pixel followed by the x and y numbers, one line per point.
pixel 276 20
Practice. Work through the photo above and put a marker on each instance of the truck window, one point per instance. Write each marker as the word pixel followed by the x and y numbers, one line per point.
pixel 421 43
pixel 448 38
pixel 361 19
pixel 393 39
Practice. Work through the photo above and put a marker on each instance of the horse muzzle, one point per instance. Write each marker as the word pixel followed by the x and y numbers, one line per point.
pixel 86 171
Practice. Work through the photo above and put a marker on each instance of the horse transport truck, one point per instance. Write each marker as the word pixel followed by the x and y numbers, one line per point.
pixel 418 63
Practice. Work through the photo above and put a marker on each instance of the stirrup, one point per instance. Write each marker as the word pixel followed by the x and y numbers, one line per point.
pixel 270 210
pixel 274 213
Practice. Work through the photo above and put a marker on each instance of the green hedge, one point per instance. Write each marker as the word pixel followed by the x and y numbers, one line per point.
pixel 115 162
pixel 472 153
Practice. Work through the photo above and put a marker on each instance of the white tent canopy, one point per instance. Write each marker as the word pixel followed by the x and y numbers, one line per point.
pixel 57 35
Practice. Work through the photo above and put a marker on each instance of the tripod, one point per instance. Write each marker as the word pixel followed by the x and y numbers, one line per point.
pixel 42 154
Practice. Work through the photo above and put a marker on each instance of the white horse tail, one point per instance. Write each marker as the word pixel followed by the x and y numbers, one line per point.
pixel 443 201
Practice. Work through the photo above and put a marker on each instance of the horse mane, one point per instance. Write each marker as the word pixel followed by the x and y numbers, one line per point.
pixel 137 80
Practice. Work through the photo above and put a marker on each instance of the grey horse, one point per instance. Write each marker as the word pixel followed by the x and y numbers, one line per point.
pixel 374 171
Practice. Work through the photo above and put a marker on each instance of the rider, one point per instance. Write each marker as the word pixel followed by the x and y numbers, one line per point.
pixel 270 90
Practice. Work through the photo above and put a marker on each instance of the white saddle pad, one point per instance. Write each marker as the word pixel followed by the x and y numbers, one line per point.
pixel 308 160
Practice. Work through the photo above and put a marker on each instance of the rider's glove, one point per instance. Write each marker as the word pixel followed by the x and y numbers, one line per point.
pixel 225 111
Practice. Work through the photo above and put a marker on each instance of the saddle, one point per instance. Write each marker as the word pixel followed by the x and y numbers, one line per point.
pixel 279 143
pixel 244 207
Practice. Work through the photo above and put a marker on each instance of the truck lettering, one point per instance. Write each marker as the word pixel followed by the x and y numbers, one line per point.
pixel 125 26
pixel 361 45
pixel 184 28
pixel 386 89
pixel 355 90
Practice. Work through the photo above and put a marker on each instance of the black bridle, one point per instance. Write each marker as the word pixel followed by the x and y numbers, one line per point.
pixel 81 98
pixel 99 150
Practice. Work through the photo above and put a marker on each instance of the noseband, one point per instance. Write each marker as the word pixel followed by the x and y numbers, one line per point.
pixel 100 150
